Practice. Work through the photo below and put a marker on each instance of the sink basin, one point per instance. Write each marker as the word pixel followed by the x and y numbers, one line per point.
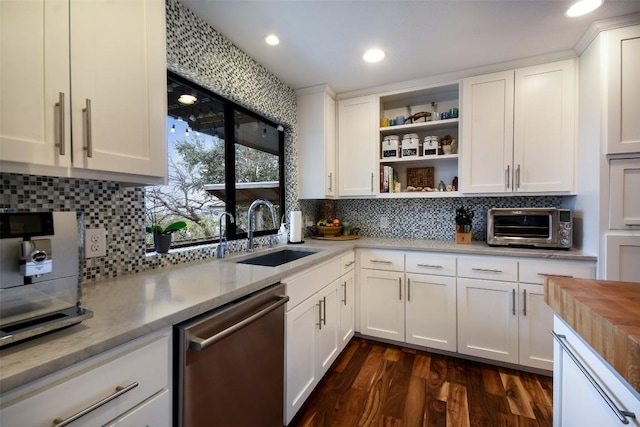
pixel 274 259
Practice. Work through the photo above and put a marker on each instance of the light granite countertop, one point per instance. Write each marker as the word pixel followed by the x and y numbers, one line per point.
pixel 129 307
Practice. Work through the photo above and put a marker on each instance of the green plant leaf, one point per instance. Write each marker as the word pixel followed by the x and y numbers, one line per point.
pixel 175 226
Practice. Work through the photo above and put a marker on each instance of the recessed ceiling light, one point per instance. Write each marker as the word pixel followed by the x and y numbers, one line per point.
pixel 373 55
pixel 187 99
pixel 272 39
pixel 583 7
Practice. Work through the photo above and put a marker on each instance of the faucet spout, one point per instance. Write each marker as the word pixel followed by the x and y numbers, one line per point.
pixel 222 247
pixel 253 206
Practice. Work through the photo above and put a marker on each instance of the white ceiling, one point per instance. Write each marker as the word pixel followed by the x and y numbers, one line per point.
pixel 322 41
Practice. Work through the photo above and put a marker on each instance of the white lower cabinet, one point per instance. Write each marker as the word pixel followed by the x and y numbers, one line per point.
pixel 318 324
pixel 576 399
pixel 488 319
pixel 382 304
pixel 135 378
pixel 430 311
pixel 623 253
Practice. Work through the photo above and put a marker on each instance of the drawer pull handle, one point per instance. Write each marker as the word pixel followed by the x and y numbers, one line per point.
pixel 622 415
pixel 430 266
pixel 632 225
pixel 553 274
pixel 119 392
pixel 349 264
pixel 486 270
pixel 378 261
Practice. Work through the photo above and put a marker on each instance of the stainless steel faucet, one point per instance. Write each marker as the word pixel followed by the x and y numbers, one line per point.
pixel 222 247
pixel 250 214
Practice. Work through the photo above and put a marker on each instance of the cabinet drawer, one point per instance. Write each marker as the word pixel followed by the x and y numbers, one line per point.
pixel 375 259
pixel 430 263
pixel 488 268
pixel 536 271
pixel 347 262
pixel 624 203
pixel 142 366
pixel 303 285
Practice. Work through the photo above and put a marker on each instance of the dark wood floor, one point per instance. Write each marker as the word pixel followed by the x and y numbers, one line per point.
pixel 376 384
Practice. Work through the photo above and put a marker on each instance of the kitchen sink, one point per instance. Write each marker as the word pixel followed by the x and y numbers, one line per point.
pixel 274 259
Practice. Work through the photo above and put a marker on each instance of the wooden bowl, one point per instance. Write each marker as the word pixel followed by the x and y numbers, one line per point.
pixel 329 231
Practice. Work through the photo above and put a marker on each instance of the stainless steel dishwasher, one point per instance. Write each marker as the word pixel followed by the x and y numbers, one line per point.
pixel 230 364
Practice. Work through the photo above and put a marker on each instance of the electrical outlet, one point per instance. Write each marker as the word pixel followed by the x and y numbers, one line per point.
pixel 384 222
pixel 95 242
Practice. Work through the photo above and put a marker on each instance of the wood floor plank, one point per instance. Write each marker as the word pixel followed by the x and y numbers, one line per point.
pixel 374 384
pixel 457 406
pixel 517 396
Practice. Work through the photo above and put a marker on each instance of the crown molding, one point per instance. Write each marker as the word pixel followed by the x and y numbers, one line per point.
pixel 605 25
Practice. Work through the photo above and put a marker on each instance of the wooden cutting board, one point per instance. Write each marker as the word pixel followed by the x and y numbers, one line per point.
pixel 336 238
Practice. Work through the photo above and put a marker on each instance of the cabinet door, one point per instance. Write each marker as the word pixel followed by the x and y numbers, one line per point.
pixel 301 362
pixel 347 308
pixel 487 133
pixel 624 206
pixel 34 78
pixel 624 90
pixel 357 146
pixel 544 127
pixel 535 326
pixel 328 331
pixel 623 253
pixel 488 319
pixel 430 311
pixel 382 304
pixel 576 402
pixel 317 143
pixel 119 86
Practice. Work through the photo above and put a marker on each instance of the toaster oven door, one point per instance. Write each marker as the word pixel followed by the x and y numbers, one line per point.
pixel 522 227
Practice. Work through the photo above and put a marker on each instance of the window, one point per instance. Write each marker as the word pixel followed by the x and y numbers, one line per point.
pixel 221 158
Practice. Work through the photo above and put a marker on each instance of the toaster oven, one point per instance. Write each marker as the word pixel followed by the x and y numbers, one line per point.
pixel 530 227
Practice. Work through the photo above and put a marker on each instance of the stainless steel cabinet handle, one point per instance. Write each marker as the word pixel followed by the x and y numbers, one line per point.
pixel 324 309
pixel 518 177
pixel 199 344
pixel 400 287
pixel 349 264
pixel 344 287
pixel 507 176
pixel 632 225
pixel 319 314
pixel 430 266
pixel 513 301
pixel 119 392
pixel 486 270
pixel 378 261
pixel 524 308
pixel 60 107
pixel 330 182
pixel 553 274
pixel 87 111
pixel 372 182
pixel 408 289
pixel 622 415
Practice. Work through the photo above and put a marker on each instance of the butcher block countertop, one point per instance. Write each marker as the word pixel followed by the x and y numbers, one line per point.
pixel 607 316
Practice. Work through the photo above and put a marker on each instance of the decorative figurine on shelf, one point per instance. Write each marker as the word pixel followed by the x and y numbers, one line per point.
pixel 442 186
pixel 455 183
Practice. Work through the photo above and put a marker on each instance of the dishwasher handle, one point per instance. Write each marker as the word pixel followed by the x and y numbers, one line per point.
pixel 199 344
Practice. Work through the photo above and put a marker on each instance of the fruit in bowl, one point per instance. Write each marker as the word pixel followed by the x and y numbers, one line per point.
pixel 329 230
pixel 329 227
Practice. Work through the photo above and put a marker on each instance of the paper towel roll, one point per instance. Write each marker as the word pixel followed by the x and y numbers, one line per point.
pixel 295 226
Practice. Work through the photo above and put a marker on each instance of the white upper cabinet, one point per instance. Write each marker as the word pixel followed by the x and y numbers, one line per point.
pixel 624 203
pixel 487 132
pixel 624 90
pixel 113 55
pixel 519 130
pixel 34 82
pixel 316 109
pixel 357 125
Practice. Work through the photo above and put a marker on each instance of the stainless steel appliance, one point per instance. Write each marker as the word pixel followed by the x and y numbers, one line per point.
pixel 230 364
pixel 40 285
pixel 532 227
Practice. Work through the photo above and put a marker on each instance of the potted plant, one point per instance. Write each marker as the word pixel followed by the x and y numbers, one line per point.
pixel 162 236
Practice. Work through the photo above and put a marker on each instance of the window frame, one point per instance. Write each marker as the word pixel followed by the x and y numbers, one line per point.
pixel 229 107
